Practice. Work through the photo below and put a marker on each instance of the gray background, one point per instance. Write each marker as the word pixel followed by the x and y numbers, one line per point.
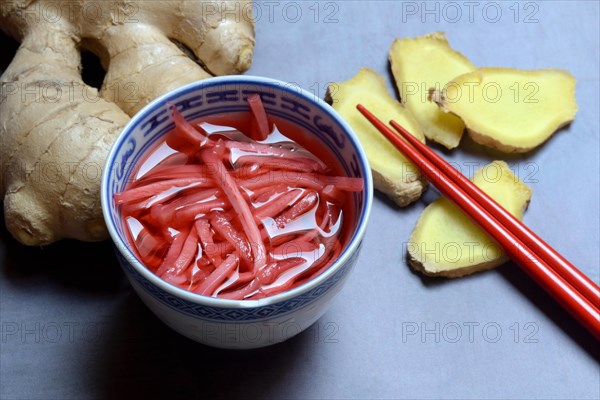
pixel 80 332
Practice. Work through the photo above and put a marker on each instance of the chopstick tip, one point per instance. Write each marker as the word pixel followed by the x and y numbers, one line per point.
pixel 366 113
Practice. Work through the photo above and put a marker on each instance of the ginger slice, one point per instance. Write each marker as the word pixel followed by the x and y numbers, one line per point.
pixel 423 63
pixel 393 174
pixel 445 242
pixel 508 109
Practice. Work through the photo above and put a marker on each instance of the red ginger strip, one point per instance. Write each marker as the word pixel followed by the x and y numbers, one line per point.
pixel 264 194
pixel 223 227
pixel 212 282
pixel 288 178
pixel 345 183
pixel 169 161
pixel 186 137
pixel 301 164
pixel 277 205
pixel 265 277
pixel 176 199
pixel 184 200
pixel 249 172
pixel 317 270
pixel 234 281
pixel 153 189
pixel 275 151
pixel 260 121
pixel 325 223
pixel 188 252
pixel 189 213
pixel 332 193
pixel 150 248
pixel 174 279
pixel 159 220
pixel 221 248
pixel 204 264
pixel 197 275
pixel 297 247
pixel 300 207
pixel 172 172
pixel 183 260
pixel 172 254
pixel 303 179
pixel 232 191
pixel 203 228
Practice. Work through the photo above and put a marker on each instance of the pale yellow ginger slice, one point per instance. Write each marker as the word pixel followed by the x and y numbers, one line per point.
pixel 445 242
pixel 508 109
pixel 423 63
pixel 392 173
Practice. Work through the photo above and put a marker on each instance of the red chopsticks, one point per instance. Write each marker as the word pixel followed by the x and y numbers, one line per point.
pixel 563 281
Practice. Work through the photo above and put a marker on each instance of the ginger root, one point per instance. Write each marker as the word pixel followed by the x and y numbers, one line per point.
pixel 55 131
pixel 393 174
pixel 423 63
pixel 508 109
pixel 445 242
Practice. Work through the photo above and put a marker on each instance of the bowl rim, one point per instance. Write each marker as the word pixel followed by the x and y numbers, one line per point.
pixel 124 249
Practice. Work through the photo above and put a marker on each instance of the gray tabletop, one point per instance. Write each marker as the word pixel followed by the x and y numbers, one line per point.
pixel 71 327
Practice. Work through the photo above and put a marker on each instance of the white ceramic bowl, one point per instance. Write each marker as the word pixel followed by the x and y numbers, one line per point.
pixel 228 323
